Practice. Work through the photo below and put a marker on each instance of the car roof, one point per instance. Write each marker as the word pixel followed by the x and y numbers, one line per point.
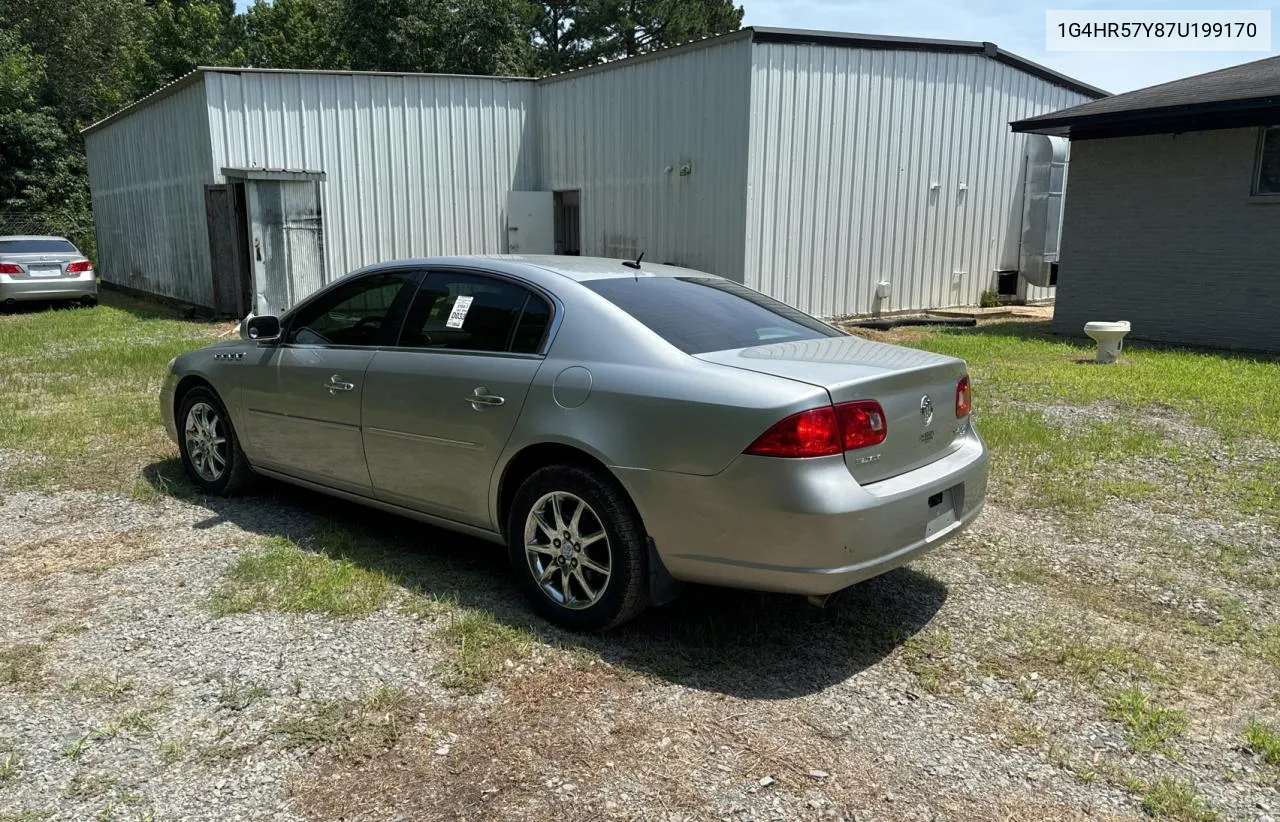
pixel 33 237
pixel 580 269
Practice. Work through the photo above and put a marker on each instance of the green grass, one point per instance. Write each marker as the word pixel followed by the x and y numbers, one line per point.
pixel 1169 799
pixel 80 391
pixel 1232 394
pixel 482 646
pixel 1264 740
pixel 286 577
pixel 10 765
pixel 1147 726
pixel 927 656
pixel 1019 369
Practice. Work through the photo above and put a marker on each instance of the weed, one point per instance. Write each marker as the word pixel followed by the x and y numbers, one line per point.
pixel 10 765
pixel 88 785
pixel 285 577
pixel 1264 740
pixel 483 646
pixel 1148 727
pixel 236 696
pixel 1169 799
pixel 349 729
pixel 1028 735
pixel 172 750
pixel 21 664
pixel 112 688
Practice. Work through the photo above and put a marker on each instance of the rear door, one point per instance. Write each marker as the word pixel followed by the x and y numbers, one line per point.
pixel 440 407
pixel 302 401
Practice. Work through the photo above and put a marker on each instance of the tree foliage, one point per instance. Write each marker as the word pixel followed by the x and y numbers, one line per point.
pixel 65 64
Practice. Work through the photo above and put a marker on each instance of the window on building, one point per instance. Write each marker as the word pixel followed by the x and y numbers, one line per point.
pixel 1268 181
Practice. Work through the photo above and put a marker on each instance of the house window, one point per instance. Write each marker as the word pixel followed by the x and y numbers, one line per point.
pixel 1268 181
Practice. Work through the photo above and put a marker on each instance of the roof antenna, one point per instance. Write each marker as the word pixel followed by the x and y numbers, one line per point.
pixel 636 263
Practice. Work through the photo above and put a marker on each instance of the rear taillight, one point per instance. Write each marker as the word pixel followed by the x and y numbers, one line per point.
pixel 964 398
pixel 10 268
pixel 813 433
pixel 822 432
pixel 79 267
pixel 862 423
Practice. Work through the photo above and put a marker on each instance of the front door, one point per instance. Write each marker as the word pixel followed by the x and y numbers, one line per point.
pixel 439 409
pixel 303 402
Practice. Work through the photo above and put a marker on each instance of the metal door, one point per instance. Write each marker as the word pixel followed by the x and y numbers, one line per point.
pixel 286 231
pixel 228 256
pixel 531 222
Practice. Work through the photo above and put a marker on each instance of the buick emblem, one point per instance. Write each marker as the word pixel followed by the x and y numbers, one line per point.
pixel 926 410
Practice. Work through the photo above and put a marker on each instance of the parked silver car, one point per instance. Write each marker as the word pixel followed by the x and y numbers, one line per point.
pixel 44 268
pixel 620 427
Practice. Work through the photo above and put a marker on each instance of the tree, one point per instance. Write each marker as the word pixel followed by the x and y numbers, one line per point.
pixel 462 37
pixel 181 35
pixel 624 28
pixel 41 172
pixel 558 36
pixel 295 34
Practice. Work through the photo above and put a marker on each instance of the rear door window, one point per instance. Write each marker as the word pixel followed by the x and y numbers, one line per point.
pixel 464 311
pixel 37 247
pixel 702 314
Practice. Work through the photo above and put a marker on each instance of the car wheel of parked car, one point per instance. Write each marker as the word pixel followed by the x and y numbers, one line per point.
pixel 210 449
pixel 578 548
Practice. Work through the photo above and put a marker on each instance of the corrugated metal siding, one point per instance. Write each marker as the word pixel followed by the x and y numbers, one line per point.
pixel 1161 231
pixel 845 144
pixel 147 174
pixel 417 165
pixel 613 133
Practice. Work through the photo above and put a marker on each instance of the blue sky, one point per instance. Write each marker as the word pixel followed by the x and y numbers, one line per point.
pixel 1016 26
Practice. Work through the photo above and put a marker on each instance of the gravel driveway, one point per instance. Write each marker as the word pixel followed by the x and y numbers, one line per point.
pixel 911 698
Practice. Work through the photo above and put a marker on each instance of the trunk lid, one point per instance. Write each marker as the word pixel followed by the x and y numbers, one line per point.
pixel 851 368
pixel 37 265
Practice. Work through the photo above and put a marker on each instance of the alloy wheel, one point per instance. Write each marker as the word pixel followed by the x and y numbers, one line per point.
pixel 206 440
pixel 568 550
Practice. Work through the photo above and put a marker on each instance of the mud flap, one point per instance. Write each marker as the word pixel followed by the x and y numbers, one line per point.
pixel 663 587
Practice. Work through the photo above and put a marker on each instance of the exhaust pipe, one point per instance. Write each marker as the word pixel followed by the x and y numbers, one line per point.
pixel 823 600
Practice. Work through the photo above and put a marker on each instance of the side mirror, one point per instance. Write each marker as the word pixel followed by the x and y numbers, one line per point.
pixel 262 329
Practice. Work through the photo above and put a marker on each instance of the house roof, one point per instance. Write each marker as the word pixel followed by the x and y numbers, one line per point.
pixel 757 34
pixel 1233 97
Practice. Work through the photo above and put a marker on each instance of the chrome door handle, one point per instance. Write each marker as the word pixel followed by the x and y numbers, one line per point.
pixel 481 398
pixel 336 384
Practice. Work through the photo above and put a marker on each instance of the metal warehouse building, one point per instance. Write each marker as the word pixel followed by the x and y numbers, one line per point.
pixel 846 174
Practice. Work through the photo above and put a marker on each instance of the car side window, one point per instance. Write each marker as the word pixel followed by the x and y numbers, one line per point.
pixel 367 311
pixel 459 311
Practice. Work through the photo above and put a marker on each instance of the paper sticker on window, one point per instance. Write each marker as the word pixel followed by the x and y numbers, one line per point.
pixel 459 313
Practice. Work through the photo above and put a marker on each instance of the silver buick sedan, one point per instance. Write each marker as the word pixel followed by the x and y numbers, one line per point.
pixel 621 427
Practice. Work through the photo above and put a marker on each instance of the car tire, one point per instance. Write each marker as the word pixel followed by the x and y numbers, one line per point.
pixel 209 446
pixel 602 565
pixel 89 302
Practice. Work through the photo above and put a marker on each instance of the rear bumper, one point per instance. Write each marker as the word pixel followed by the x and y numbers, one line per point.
pixel 51 288
pixel 805 526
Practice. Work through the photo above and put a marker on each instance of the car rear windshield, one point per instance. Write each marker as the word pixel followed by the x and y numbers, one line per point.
pixel 36 247
pixel 702 314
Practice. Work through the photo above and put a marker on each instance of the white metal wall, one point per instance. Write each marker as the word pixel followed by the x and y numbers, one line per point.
pixel 845 146
pixel 613 133
pixel 147 173
pixel 416 165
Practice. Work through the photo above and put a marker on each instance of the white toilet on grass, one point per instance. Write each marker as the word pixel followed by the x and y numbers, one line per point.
pixel 1110 338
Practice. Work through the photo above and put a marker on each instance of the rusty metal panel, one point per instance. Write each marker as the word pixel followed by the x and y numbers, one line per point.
pixel 871 165
pixel 147 173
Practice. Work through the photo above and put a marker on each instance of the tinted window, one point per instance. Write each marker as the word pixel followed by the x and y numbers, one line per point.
pixel 1269 162
pixel 365 311
pixel 700 314
pixel 37 247
pixel 472 312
